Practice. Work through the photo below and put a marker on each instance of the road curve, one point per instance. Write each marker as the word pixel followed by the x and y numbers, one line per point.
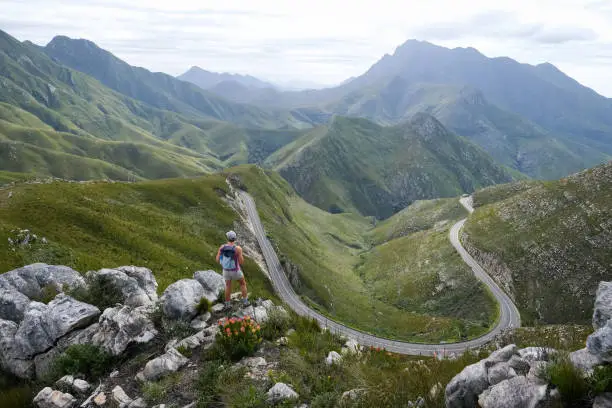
pixel 509 316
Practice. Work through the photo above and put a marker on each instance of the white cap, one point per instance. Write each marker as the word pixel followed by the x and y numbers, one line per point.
pixel 231 235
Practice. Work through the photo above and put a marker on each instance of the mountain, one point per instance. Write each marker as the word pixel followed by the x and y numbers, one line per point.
pixel 206 79
pixel 161 90
pixel 510 138
pixel 547 243
pixel 356 165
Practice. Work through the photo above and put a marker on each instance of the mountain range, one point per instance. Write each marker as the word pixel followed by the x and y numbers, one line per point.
pixel 73 110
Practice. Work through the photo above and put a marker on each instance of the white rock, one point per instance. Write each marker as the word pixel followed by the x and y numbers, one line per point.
pixel 584 360
pixel 503 354
pixel 536 353
pixel 603 305
pixel 80 386
pixel 180 299
pixel 463 390
pixel 260 314
pixel 218 308
pixel 121 326
pixel 599 344
pixel 333 358
pixel 603 401
pixel 500 372
pixel 48 398
pixel 352 346
pixel 138 403
pixel 100 399
pixel 353 395
pixel 268 304
pixel 120 397
pixel 163 365
pixel 206 336
pixel 212 282
pixel 283 341
pixel 281 392
pixel 200 322
pixel 253 362
pixel 516 392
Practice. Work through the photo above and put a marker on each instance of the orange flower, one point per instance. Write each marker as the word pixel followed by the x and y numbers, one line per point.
pixel 242 329
pixel 228 330
pixel 377 348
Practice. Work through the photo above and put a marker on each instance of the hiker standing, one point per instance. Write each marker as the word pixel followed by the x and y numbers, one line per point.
pixel 230 257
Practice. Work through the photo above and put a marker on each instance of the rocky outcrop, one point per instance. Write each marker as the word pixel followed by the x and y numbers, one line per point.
pixel 602 312
pixel 212 282
pixel 121 326
pixel 600 343
pixel 332 358
pixel 163 365
pixel 517 392
pixel 137 285
pixel 180 299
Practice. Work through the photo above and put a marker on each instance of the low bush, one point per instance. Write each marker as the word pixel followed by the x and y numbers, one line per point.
pixel 82 359
pixel 574 386
pixel 277 324
pixel 203 306
pixel 239 337
pixel 98 291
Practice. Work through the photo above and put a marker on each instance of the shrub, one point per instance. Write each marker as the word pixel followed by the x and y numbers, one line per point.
pixel 570 381
pixel 84 359
pixel 185 351
pixel 203 306
pixel 48 293
pixel 239 337
pixel 98 291
pixel 276 325
pixel 602 379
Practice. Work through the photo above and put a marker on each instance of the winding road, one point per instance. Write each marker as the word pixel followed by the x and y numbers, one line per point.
pixel 509 315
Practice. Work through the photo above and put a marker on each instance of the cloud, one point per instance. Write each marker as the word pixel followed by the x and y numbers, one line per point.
pixel 500 24
pixel 319 40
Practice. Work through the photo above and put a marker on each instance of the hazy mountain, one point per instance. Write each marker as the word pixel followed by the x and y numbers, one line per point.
pixel 354 164
pixel 207 79
pixel 510 138
pixel 547 243
pixel 161 90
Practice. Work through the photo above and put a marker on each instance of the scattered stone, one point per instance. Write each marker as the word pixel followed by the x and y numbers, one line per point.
pixel 290 332
pixel 180 299
pixel 253 362
pixel 120 397
pixel 584 360
pixel 599 343
pixel 463 390
pixel 138 403
pixel 260 314
pixel 100 399
pixel 536 353
pixel 200 322
pixel 91 399
pixel 419 403
pixel 121 326
pixel 283 341
pixel 48 398
pixel 333 358
pixel 281 392
pixel 192 405
pixel 80 386
pixel 114 374
pixel 603 305
pixel 517 392
pixel 603 401
pixel 352 346
pixel 353 395
pixel 218 308
pixel 435 390
pixel 503 354
pixel 206 336
pixel 163 365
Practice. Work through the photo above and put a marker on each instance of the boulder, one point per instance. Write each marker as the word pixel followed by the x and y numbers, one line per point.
pixel 48 398
pixel 138 403
pixel 352 395
pixel 603 401
pixel 260 314
pixel 31 279
pixel 584 360
pixel 500 372
pixel 120 398
pixel 11 359
pixel 463 390
pixel 200 322
pixel 12 303
pixel 43 325
pixel 536 372
pixel 75 384
pixel 281 392
pixel 504 354
pixel 180 299
pixel 206 336
pixel 333 358
pixel 163 365
pixel 517 392
pixel 121 326
pixel 212 282
pixel 603 305
pixel 599 343
pixel 137 285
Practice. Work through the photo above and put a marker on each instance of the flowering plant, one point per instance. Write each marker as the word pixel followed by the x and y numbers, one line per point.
pixel 239 337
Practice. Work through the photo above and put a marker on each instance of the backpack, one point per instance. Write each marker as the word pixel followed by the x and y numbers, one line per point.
pixel 229 258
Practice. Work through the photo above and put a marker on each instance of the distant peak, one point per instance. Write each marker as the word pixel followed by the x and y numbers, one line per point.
pixel 62 40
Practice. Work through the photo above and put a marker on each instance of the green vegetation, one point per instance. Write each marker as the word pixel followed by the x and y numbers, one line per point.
pixel 82 359
pixel 354 165
pixel 15 393
pixel 99 291
pixel 203 306
pixel 276 326
pixel 547 243
pixel 239 337
pixel 323 255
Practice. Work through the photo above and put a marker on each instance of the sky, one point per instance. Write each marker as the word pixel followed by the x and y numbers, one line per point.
pixel 323 41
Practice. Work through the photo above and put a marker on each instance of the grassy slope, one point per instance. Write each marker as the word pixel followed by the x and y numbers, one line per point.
pixel 324 251
pixel 550 242
pixel 356 165
pixel 171 226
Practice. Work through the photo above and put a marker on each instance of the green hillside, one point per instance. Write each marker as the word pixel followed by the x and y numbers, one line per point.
pixel 161 90
pixel 331 261
pixel 548 243
pixel 356 165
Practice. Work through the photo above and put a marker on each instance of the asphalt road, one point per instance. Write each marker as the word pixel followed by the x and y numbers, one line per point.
pixel 509 315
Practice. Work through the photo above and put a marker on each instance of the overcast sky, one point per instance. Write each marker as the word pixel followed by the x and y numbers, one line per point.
pixel 323 41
